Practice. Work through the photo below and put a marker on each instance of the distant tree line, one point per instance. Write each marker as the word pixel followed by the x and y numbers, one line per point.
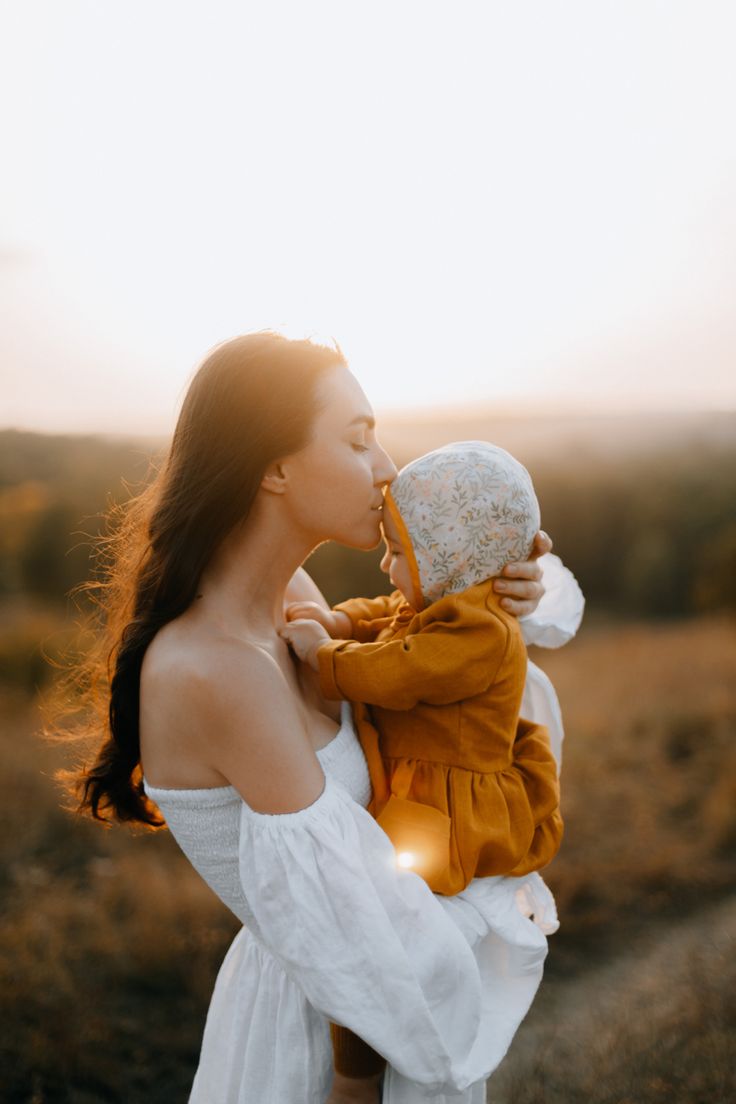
pixel 54 491
pixel 646 536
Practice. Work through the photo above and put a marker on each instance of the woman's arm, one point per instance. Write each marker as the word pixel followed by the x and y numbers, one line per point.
pixel 544 595
pixel 302 588
pixel 456 656
pixel 367 943
pixel 550 611
pixel 244 717
pixel 558 615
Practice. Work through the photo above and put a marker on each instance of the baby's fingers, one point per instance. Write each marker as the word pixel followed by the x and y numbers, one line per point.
pixel 300 610
pixel 293 635
pixel 295 627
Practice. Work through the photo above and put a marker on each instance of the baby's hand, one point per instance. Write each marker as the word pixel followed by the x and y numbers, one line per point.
pixel 335 622
pixel 305 636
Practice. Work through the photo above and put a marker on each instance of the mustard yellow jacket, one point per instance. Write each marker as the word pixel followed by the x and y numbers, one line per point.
pixel 436 700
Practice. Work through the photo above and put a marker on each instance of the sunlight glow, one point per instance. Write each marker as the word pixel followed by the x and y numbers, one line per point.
pixel 507 203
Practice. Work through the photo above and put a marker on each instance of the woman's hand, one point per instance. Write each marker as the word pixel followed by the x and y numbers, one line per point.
pixel 522 586
pixel 305 637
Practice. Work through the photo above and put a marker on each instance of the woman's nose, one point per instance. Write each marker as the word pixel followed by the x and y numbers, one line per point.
pixel 384 469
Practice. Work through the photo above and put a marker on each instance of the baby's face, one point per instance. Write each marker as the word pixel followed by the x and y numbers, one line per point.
pixel 394 560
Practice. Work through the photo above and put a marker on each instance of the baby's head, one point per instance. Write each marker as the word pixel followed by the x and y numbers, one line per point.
pixel 455 517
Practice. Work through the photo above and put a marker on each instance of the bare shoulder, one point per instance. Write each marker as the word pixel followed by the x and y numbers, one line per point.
pixel 197 669
pixel 217 711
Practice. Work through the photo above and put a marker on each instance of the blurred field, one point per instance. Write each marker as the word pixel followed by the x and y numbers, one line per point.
pixel 109 943
pixel 637 1003
pixel 643 510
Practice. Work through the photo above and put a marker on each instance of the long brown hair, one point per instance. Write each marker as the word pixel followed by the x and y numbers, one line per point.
pixel 252 400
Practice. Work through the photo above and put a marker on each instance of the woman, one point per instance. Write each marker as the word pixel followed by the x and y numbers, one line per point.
pixel 261 781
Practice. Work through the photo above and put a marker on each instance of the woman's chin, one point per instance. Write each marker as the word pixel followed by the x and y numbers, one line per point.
pixel 366 537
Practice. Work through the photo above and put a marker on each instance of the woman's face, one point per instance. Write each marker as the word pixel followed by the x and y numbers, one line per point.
pixel 334 484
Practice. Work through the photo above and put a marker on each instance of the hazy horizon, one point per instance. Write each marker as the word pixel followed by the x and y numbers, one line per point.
pixel 485 408
pixel 529 435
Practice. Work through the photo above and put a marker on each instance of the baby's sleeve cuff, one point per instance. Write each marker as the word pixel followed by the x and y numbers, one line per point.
pixel 326 669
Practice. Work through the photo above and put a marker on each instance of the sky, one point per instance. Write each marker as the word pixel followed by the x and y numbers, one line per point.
pixel 523 205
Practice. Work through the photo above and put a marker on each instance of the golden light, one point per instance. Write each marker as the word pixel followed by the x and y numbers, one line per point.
pixel 184 223
pixel 405 858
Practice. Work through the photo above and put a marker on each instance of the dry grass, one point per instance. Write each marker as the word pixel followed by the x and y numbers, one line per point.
pixel 637 1004
pixel 649 773
pixel 110 943
pixel 654 1024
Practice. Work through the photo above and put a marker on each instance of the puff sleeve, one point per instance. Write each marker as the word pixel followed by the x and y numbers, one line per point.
pixel 455 656
pixel 367 943
pixel 363 611
pixel 557 617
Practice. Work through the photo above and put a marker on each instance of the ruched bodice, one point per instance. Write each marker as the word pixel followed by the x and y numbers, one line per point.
pixel 206 822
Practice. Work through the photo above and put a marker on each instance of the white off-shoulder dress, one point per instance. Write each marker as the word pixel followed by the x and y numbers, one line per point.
pixel 333 930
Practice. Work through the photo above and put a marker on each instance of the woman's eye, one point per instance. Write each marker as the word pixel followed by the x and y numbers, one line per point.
pixel 360 448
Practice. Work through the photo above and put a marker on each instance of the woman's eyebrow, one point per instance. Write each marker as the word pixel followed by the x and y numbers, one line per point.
pixel 369 420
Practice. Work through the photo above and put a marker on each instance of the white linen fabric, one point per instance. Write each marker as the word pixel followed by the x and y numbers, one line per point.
pixel 557 617
pixel 540 702
pixel 333 930
pixel 554 622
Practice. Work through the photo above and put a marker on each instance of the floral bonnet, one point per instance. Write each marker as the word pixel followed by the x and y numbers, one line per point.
pixel 463 511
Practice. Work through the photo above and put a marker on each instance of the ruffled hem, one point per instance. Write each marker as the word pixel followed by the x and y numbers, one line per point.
pixel 504 822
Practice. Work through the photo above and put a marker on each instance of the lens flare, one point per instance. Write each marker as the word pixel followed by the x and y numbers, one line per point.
pixel 405 858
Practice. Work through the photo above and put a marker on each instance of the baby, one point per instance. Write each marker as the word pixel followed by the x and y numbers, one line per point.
pixel 462 785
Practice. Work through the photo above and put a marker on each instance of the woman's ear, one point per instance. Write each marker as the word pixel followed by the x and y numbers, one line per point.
pixel 274 478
